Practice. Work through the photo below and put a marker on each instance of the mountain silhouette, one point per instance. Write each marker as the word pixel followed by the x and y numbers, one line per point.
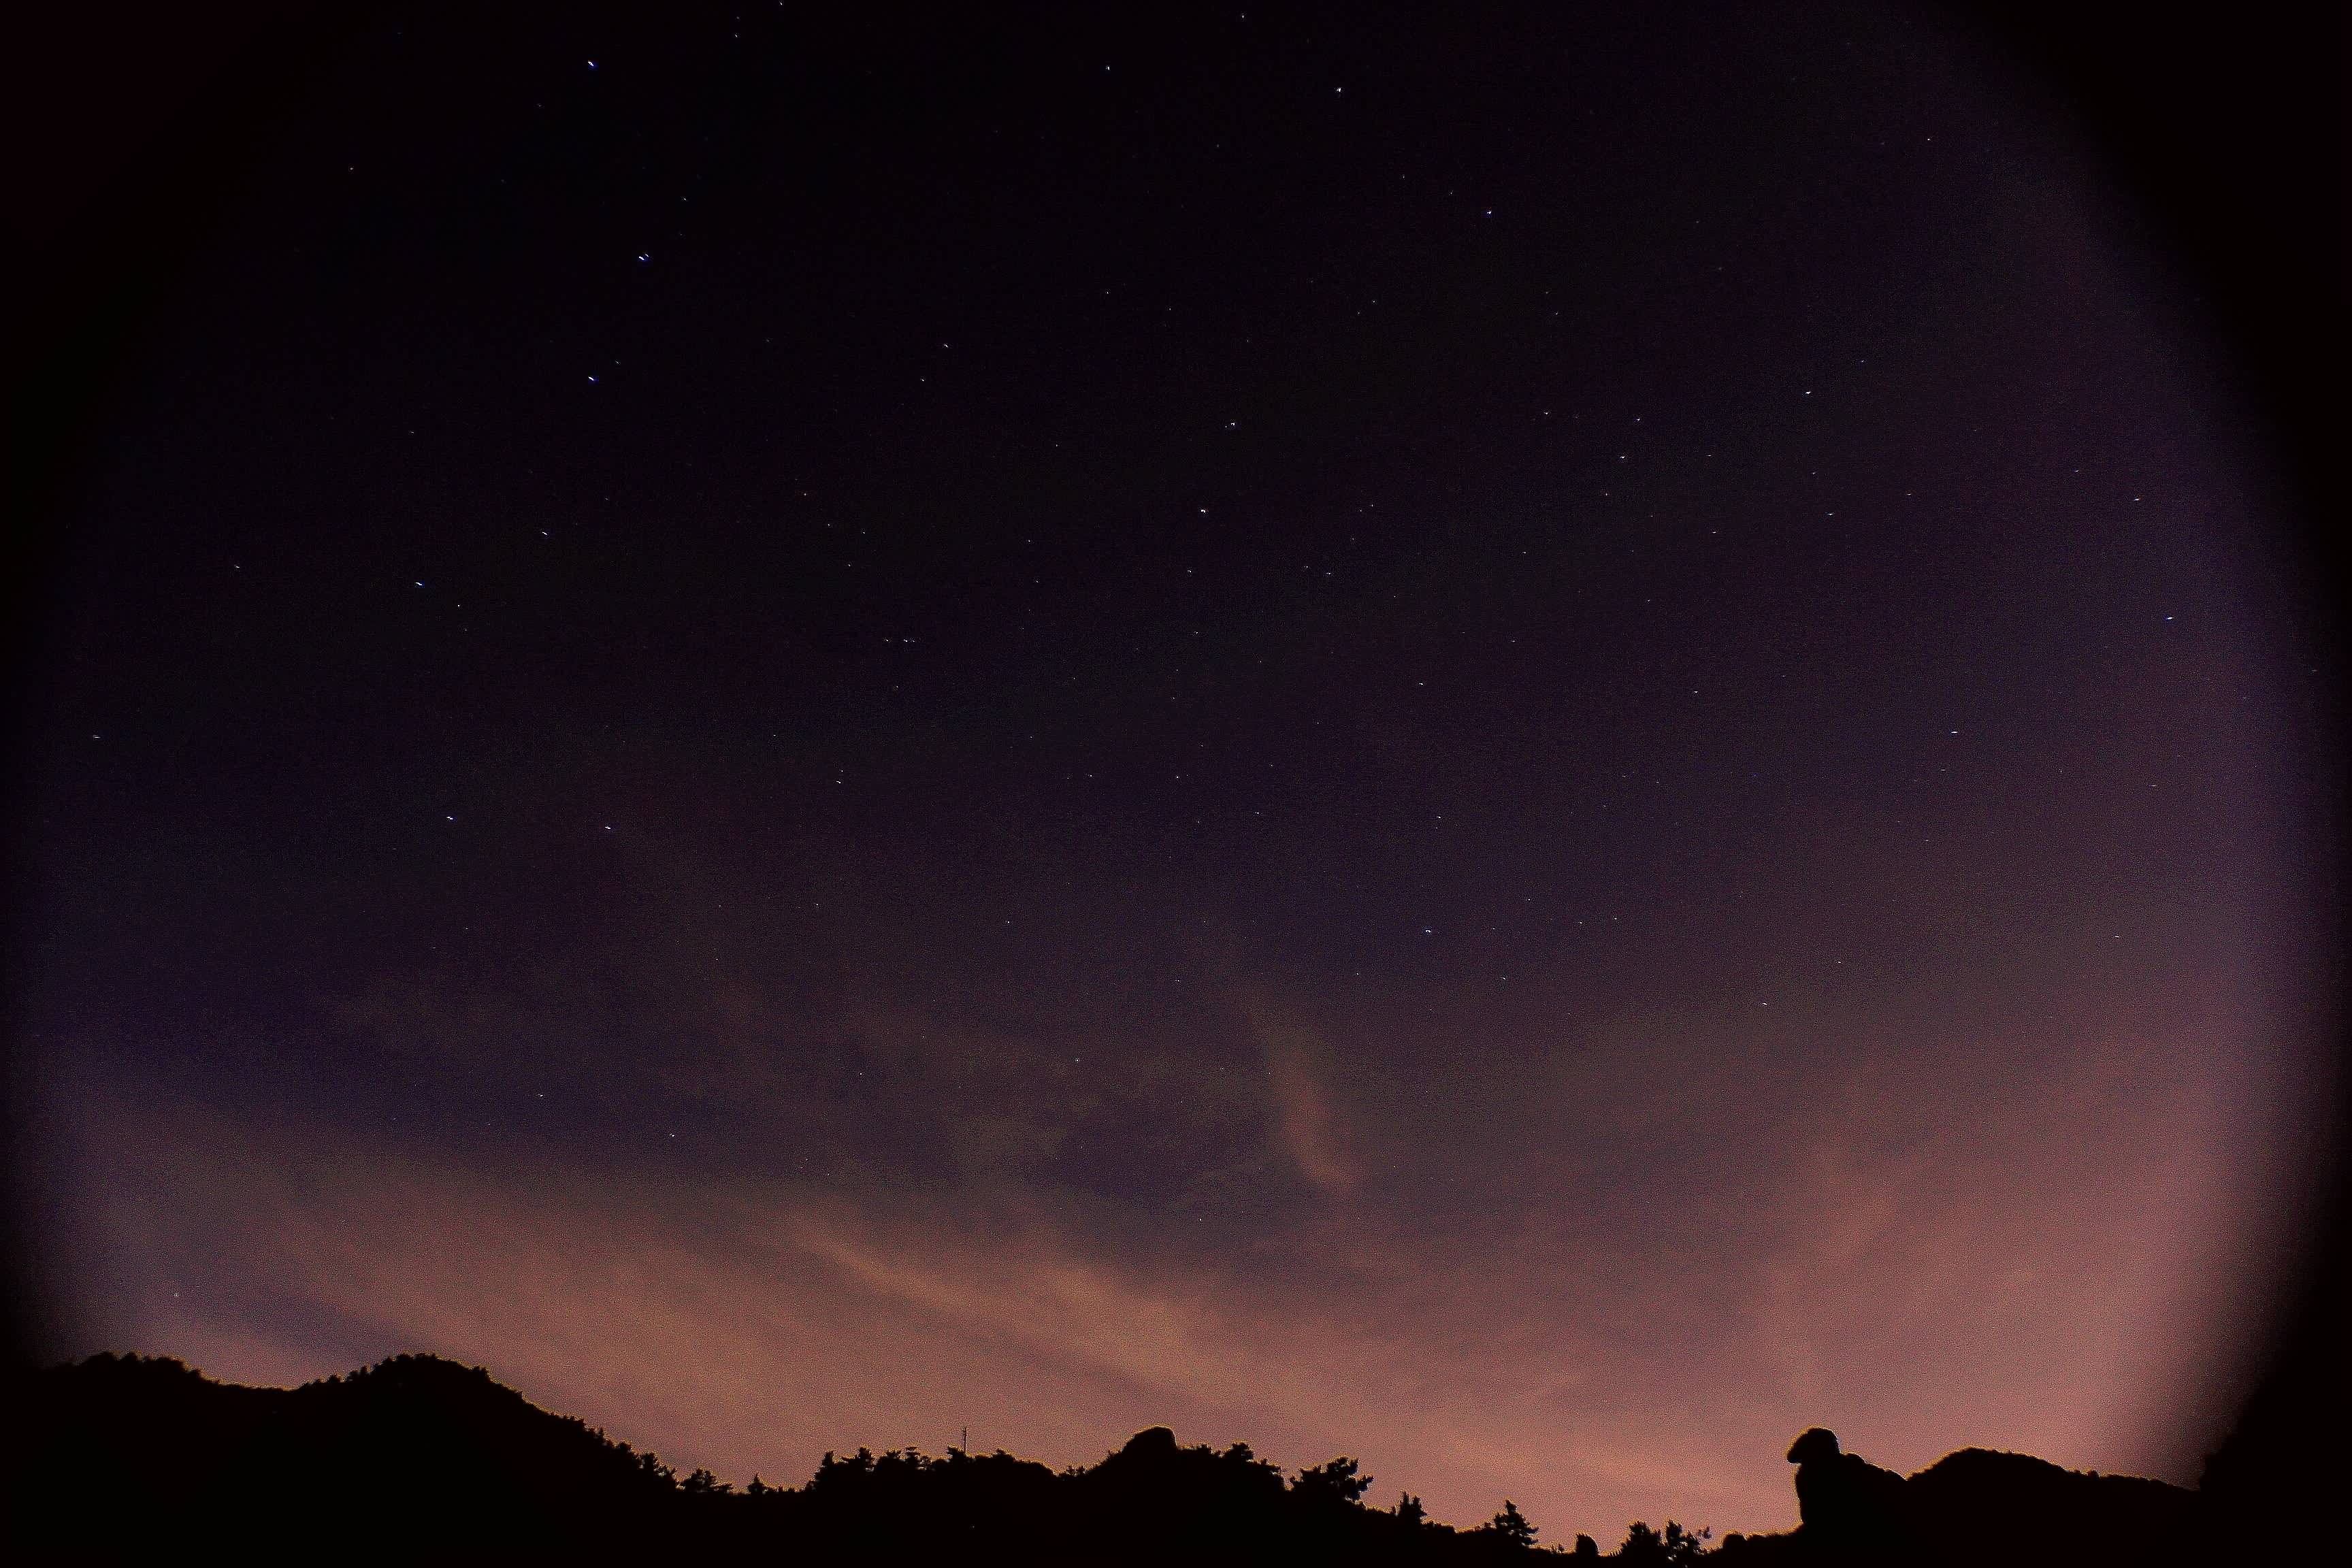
pixel 137 1455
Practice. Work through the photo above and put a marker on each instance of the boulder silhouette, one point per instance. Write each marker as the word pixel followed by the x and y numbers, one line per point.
pixel 1850 1506
pixel 1152 1443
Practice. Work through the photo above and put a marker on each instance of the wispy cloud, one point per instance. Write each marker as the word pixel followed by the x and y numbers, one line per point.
pixel 1306 1117
pixel 1905 1292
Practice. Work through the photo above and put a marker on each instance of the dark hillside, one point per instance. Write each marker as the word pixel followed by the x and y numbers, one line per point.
pixel 139 1455
pixel 413 1454
pixel 1979 1501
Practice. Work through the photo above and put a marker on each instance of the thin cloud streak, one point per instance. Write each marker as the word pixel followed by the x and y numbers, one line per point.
pixel 1305 1116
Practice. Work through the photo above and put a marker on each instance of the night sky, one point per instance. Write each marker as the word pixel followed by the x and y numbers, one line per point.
pixel 1535 752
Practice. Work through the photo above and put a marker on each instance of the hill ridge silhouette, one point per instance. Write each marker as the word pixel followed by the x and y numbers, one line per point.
pixel 133 1454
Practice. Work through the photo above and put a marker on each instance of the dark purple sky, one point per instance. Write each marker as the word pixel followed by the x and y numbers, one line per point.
pixel 1535 752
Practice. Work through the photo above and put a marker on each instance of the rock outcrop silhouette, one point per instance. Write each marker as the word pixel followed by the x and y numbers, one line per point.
pixel 1977 1506
pixel 1849 1505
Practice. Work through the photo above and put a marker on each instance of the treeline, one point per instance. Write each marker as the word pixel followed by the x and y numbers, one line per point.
pixel 140 1455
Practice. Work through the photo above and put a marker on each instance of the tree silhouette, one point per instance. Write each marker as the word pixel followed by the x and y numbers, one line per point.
pixel 1675 1548
pixel 1512 1525
pixel 1335 1480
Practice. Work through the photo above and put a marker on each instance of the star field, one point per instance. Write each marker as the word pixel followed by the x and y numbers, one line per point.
pixel 1439 745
